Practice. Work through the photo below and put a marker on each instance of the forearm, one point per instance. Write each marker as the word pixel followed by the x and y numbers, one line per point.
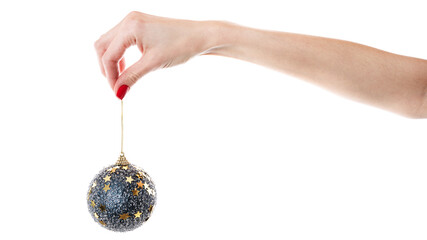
pixel 393 82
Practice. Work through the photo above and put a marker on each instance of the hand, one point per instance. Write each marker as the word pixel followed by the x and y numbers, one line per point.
pixel 163 42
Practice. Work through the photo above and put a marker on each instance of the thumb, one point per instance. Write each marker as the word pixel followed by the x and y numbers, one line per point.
pixel 131 75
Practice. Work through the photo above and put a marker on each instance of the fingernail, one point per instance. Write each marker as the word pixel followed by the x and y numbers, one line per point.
pixel 123 89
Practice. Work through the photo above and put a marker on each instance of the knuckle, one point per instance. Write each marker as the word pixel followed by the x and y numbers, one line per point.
pixel 100 43
pixel 133 21
pixel 97 44
pixel 133 14
pixel 132 77
pixel 106 58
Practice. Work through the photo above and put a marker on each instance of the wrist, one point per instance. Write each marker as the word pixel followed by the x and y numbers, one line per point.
pixel 219 36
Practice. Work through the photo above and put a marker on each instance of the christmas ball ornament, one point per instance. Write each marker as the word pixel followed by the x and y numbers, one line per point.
pixel 122 196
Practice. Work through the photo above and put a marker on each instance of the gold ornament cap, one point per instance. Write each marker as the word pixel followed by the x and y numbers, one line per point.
pixel 122 160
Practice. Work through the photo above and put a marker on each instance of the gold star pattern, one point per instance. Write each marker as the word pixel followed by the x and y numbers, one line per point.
pixel 145 175
pixel 94 184
pixel 92 203
pixel 125 167
pixel 139 175
pixel 138 214
pixel 102 223
pixel 140 184
pixel 150 191
pixel 106 187
pixel 113 169
pixel 129 179
pixel 124 216
pixel 96 215
pixel 150 209
pixel 107 178
pixel 90 190
pixel 135 192
pixel 102 208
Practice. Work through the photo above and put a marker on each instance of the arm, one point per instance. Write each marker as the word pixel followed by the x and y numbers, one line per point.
pixel 392 82
pixel 389 81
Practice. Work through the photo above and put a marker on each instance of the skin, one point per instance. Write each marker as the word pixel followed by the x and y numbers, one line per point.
pixel 389 81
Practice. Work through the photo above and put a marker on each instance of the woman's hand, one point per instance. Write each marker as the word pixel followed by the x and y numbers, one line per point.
pixel 163 42
pixel 389 81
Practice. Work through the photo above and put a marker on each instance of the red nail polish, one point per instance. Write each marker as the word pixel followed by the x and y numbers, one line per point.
pixel 123 89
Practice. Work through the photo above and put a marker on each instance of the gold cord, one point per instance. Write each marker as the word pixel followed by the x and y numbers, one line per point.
pixel 122 153
pixel 122 159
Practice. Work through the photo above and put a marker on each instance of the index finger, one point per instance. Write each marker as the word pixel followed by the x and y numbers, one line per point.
pixel 112 56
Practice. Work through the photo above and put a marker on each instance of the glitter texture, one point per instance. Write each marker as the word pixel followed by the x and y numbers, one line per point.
pixel 121 198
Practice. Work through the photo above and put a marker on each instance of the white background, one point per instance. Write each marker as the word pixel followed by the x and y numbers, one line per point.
pixel 237 151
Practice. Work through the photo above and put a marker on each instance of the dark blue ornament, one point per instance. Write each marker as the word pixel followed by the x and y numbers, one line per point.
pixel 121 197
